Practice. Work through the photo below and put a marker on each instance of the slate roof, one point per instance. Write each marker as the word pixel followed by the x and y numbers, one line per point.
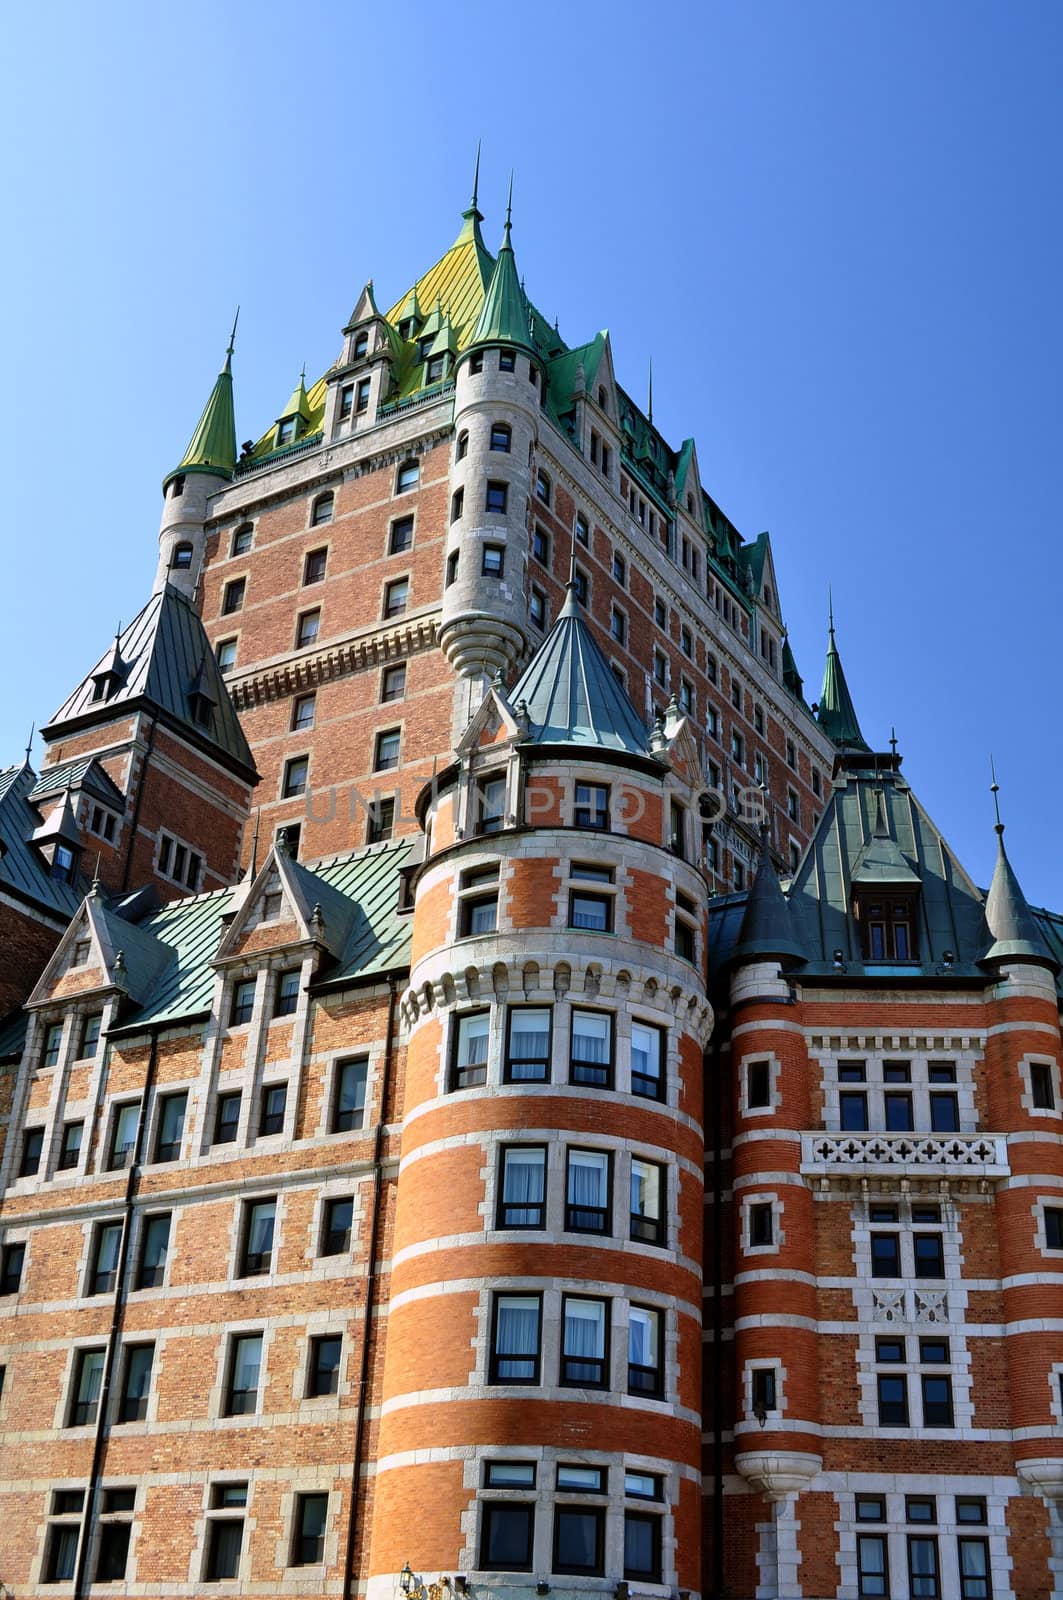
pixel 85 773
pixel 837 714
pixel 1015 931
pixel 162 650
pixel 23 869
pixel 570 694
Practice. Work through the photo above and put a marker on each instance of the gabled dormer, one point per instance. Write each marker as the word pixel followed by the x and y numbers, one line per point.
pixel 100 953
pixel 688 493
pixel 59 840
pixel 295 418
pixel 110 675
pixel 286 906
pixel 885 894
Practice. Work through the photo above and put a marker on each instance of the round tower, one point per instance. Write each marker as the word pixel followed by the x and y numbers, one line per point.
pixel 498 381
pixel 541 1405
pixel 206 467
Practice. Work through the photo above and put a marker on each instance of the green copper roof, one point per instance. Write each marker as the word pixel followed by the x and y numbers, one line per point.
pixel 570 694
pixel 298 404
pixel 766 932
pixel 790 675
pixel 212 448
pixel 837 714
pixel 1015 933
pixel 24 872
pixel 504 315
pixel 881 860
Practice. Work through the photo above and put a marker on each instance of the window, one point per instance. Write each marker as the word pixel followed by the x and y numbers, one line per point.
pixel 506 1536
pixel 225 654
pixel 542 486
pixel 496 498
pixel 644 1351
pixel 738 747
pixel 12 1257
pixel 478 903
pixel 885 1255
pixel 307 629
pixel 758 1085
pixel 112 1551
pixel 591 1056
pixel 1053 1227
pixel 171 1126
pixel 591 808
pixel 587 1192
pixel 32 1150
pixel 53 1040
pixel 892 1400
pixel 457 504
pixel 182 557
pixel 493 560
pixel 501 436
pixel 401 536
pixel 685 930
pixel 515 1342
pixel 647 1211
pixel 647 1061
pixel 123 1135
pixel 336 1227
pixel 393 682
pixel 618 625
pixel 491 804
pixel 362 395
pixel 396 597
pixel 103 1263
pixel 522 1187
pixel 346 402
pixel 61 1545
pixel 233 596
pixel 619 569
pixel 308 1530
pixel 81 953
pixel 584 1357
pixel 452 568
pixel 591 912
pixel 70 1148
pixel 686 696
pixel 348 1095
pixel 582 529
pixel 408 477
pixel 241 541
pixel 380 823
pixel 85 1395
pixel 256 1252
pixel 537 607
pixel 944 1112
pixel 469 1068
pixel 528 1045
pixel 660 668
pixel 1041 1086
pixel 578 1537
pixel 271 1110
pixel 105 823
pixel 314 566
pixel 463 444
pixel 923 1578
pixel 361 344
pixel 243 1007
pixel 386 754
pixel 761 1225
pixel 975 1581
pixel 887 928
pixel 507 361
pixel 897 1108
pixel 476 362
pixel 245 1363
pixel 225 1534
pixel 90 1036
pixel 286 994
pixel 541 545
pixel 154 1248
pixel 929 1255
pixel 642 1546
pixel 324 1373
pixel 872 1564
pixel 64 862
pixel 581 586
pixel 137 1361
pixel 227 1117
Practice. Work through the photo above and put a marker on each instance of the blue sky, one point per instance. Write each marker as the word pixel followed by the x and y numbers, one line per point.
pixel 835 227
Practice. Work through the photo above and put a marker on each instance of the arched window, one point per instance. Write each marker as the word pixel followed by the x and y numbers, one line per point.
pixel 408 477
pixel 322 511
pixel 181 559
pixel 242 537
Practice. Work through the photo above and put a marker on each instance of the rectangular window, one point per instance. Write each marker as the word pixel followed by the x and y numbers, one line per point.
pixel 937 1399
pixel 538 609
pixel 314 566
pixel 296 772
pixel 137 1360
pixel 501 437
pixel 70 1149
pixel 509 1475
pixel 286 993
pixel 12 1257
pixel 227 1117
pixel 348 1095
pixel 872 1565
pixel 852 1108
pixel 90 1036
pixel 528 1047
pixel 496 498
pixel 307 629
pixel 490 805
pixel 591 806
pixel 380 821
pixel 522 1189
pixel 541 545
pixel 1042 1087
pixel 944 1113
pixel 478 903
pixel 1053 1228
pixel 396 597
pixel 584 1355
pixel 61 1546
pixel 271 1109
pixel 346 402
pixel 386 754
pixel 32 1150
pixel 618 626
pixel 336 1228
pixel 644 1374
pixel 401 536
pixel 898 1111
pixel 975 1580
pixel 515 1343
pixel 581 587
pixel 324 1373
pixel 171 1126
pixel 578 1539
pixel 591 912
pixel 647 1211
pixel 225 654
pixel 591 1055
pixel 457 505
pixel 245 1365
pixel 507 361
pixel 393 683
pixel 587 1192
pixel 53 1040
pixel 647 1061
pixel 154 1248
pixel 123 1135
pixel 85 1395
pixel 892 1400
pixel 506 1537
pixel 234 596
pixel 758 1085
pixel 923 1577
pixel 362 399
pixel 642 1547
pixel 308 1530
pixel 493 561
pixel 929 1255
pixel 112 1552
pixel 103 1268
pixel 225 1534
pixel 761 1225
pixel 885 1255
pixel 582 529
pixel 542 487
pixel 256 1253
pixel 471 1038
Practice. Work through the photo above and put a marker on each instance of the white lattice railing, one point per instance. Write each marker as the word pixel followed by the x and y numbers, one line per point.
pixel 945 1155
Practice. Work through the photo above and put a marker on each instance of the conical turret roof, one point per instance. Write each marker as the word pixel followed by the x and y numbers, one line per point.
pixel 504 315
pixel 766 932
pixel 1016 935
pixel 837 714
pixel 212 448
pixel 298 404
pixel 570 695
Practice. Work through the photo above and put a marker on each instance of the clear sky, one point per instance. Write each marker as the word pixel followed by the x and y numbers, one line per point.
pixel 835 226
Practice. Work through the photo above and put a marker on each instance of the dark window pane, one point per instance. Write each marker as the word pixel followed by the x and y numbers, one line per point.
pixel 113 1551
pixel 929 1256
pixel 885 1255
pixel 339 1215
pixel 577 1540
pixel 308 1547
pixel 349 1105
pixel 506 1541
pixel 224 1541
pixel 642 1547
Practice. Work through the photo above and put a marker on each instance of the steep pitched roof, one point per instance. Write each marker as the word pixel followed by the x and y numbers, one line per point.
pixel 212 447
pixel 766 930
pixel 504 314
pixel 84 773
pixel 1016 935
pixel 164 648
pixel 23 870
pixel 570 694
pixel 837 714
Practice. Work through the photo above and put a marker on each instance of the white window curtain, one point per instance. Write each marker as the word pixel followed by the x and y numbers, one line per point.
pixel 473 1036
pixel 247 1364
pixel 524 1186
pixel 645 1190
pixel 517 1327
pixel 530 1035
pixel 645 1050
pixel 91 1378
pixel 588 1178
pixel 590 1037
pixel 585 1329
pixel 260 1232
pixel 643 1330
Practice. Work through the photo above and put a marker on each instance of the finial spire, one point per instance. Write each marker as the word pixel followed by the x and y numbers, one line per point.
pixel 232 336
pixel 509 204
pixel 474 203
pixel 649 406
pixel 29 741
pixel 994 789
pixel 893 740
pixel 830 608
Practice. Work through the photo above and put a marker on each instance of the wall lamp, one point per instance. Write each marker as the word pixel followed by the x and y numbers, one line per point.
pixel 622 1590
pixel 947 962
pixel 541 1586
pixel 840 963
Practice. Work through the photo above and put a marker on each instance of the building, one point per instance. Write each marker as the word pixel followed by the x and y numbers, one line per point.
pixel 504 1096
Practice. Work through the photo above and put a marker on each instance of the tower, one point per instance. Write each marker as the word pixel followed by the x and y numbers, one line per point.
pixel 205 468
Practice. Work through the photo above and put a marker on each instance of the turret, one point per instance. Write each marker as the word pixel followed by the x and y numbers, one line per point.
pixel 205 468
pixel 836 712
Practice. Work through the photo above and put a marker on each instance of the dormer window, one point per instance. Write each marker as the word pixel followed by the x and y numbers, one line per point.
pixel 286 431
pixel 64 863
pixel 423 347
pixel 201 710
pixel 182 557
pixel 406 328
pixel 434 370
pixel 887 924
pixel 361 344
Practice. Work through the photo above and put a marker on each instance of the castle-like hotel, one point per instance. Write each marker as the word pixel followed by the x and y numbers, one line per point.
pixel 498 1094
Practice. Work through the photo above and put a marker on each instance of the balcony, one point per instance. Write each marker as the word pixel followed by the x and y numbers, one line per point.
pixel 971 1156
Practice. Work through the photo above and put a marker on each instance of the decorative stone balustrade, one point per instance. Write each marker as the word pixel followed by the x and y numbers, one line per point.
pixel 909 1155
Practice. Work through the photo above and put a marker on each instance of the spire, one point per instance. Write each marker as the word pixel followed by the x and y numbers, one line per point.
pixel 212 448
pixel 649 398
pixel 837 714
pixel 472 212
pixel 1011 923
pixel 766 933
pixel 504 316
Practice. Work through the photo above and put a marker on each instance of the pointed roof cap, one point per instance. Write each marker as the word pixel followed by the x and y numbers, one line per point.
pixel 212 448
pixel 1015 933
pixel 570 694
pixel 298 404
pixel 445 342
pixel 837 714
pixel 881 860
pixel 766 932
pixel 504 314
pixel 60 823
